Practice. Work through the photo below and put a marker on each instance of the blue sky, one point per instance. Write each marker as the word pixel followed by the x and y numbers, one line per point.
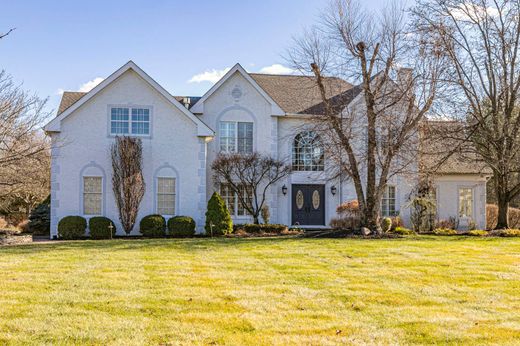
pixel 64 45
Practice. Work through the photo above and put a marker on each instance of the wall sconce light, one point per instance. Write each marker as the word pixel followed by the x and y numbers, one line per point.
pixel 333 190
pixel 284 190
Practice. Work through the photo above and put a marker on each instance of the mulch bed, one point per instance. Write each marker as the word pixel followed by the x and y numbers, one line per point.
pixel 10 237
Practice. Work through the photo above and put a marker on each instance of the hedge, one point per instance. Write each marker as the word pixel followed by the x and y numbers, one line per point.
pixel 72 227
pixel 264 228
pixel 181 226
pixel 100 227
pixel 153 226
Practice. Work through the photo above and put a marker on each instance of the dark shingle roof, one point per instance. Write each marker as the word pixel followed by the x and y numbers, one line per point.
pixel 443 150
pixel 298 94
pixel 68 99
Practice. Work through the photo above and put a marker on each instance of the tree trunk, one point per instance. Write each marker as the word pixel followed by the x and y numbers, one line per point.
pixel 255 220
pixel 503 208
pixel 370 218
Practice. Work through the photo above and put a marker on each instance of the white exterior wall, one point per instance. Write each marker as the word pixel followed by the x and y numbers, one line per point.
pixel 83 148
pixel 250 106
pixel 288 128
pixel 447 193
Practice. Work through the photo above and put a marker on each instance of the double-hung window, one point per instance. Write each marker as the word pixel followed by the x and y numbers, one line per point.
pixel 232 201
pixel 166 196
pixel 388 202
pixel 236 137
pixel 130 121
pixel 92 195
pixel 466 202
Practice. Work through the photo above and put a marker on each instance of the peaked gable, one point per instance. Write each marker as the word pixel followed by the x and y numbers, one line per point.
pixel 72 101
pixel 275 108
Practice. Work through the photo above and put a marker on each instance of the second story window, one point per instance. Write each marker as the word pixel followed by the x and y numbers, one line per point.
pixel 307 152
pixel 130 121
pixel 236 137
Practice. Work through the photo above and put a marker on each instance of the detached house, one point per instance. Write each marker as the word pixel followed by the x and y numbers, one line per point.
pixel 181 136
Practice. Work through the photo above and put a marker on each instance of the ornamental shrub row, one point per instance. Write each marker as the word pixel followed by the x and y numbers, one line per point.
pixel 74 227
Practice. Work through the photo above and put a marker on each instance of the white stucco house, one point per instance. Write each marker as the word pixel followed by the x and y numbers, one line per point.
pixel 181 136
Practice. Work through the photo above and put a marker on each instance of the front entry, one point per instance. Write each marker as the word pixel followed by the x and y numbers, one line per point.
pixel 308 205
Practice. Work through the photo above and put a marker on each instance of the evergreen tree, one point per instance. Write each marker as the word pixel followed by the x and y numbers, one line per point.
pixel 218 220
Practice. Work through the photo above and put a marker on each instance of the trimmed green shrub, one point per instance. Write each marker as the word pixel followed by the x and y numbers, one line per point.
pixel 477 233
pixel 218 220
pixel 386 224
pixel 264 228
pixel 153 226
pixel 181 226
pixel 402 231
pixel 72 227
pixel 40 218
pixel 506 232
pixel 99 227
pixel 444 231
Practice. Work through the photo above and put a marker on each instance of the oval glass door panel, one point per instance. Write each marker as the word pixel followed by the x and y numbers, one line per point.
pixel 315 199
pixel 299 199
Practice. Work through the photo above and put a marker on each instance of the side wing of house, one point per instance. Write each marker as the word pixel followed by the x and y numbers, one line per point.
pixel 129 103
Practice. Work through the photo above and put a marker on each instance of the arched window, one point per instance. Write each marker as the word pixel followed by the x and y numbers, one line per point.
pixel 307 152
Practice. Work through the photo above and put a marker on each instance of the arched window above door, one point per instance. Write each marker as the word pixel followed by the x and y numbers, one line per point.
pixel 307 153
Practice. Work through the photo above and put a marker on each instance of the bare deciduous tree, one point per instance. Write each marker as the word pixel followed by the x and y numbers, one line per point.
pixel 377 138
pixel 249 176
pixel 2 35
pixel 24 151
pixel 25 184
pixel 481 40
pixel 127 179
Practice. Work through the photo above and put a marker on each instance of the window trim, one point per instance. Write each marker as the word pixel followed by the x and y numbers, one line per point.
pixel 396 210
pixel 156 192
pixel 471 188
pixel 130 106
pixel 294 166
pixel 83 195
pixel 235 123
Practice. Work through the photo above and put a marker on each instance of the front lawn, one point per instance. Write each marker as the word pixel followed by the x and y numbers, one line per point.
pixel 262 291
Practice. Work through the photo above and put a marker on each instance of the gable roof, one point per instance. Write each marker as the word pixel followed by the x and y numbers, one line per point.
pixel 443 150
pixel 73 101
pixel 68 99
pixel 199 106
pixel 300 94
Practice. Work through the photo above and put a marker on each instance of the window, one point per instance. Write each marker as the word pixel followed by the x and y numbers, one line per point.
pixel 466 202
pixel 231 199
pixel 236 137
pixel 307 152
pixel 388 202
pixel 166 196
pixel 92 195
pixel 130 121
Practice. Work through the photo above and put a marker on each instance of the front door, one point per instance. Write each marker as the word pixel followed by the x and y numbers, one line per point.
pixel 308 205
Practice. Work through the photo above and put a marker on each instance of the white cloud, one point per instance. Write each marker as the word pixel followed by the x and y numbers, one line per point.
pixel 86 87
pixel 214 75
pixel 211 76
pixel 467 12
pixel 59 91
pixel 276 69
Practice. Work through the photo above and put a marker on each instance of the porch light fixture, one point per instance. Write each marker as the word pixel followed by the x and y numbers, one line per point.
pixel 284 190
pixel 333 190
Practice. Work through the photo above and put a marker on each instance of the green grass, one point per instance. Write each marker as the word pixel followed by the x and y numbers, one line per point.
pixel 444 290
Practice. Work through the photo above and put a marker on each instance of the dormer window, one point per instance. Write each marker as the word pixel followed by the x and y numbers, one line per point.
pixel 133 121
